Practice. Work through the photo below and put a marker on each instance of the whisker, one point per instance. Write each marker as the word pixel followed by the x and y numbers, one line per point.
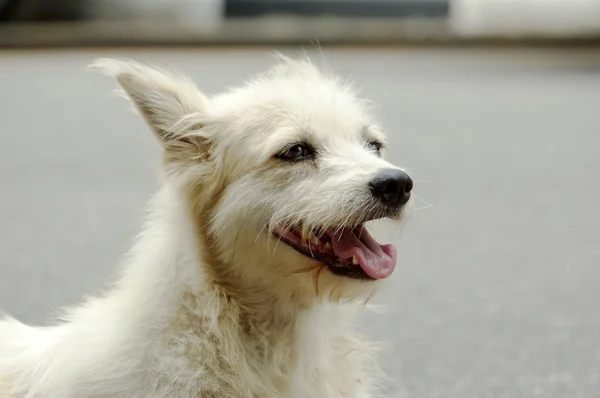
pixel 310 249
pixel 316 279
pixel 259 232
pixel 424 207
pixel 368 299
pixel 301 270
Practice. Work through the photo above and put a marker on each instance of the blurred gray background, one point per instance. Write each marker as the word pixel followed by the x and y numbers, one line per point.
pixel 497 290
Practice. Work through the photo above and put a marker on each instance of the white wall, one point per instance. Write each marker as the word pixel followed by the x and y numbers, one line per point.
pixel 525 18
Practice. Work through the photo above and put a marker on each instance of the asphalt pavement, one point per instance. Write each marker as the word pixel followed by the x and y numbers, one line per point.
pixel 497 290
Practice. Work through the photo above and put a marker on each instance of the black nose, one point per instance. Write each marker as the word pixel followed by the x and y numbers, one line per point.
pixel 392 187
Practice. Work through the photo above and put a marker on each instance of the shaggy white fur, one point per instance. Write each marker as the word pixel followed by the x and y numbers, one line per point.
pixel 210 302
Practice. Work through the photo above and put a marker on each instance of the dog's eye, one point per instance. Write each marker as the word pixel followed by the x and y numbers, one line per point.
pixel 296 152
pixel 375 147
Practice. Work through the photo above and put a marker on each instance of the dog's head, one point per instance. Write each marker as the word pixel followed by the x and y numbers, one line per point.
pixel 281 174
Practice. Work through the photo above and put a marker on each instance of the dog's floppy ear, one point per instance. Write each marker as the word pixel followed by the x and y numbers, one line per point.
pixel 171 105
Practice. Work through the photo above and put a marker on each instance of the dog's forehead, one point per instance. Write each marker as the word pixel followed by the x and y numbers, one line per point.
pixel 268 115
pixel 324 113
pixel 320 125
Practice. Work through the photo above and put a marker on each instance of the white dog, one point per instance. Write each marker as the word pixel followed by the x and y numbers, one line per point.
pixel 244 279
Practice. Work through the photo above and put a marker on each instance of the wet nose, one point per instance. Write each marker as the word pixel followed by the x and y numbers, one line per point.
pixel 392 187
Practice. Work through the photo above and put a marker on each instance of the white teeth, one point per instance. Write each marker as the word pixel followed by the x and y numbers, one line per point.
pixel 328 245
pixel 354 260
pixel 315 241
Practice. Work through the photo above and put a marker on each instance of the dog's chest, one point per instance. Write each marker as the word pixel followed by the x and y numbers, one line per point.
pixel 328 366
pixel 321 375
pixel 229 361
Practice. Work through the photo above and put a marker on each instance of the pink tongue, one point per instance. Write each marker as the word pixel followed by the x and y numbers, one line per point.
pixel 376 260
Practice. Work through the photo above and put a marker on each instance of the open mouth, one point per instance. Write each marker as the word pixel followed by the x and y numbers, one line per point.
pixel 350 252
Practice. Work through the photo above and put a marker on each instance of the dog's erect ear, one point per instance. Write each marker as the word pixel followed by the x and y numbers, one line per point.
pixel 172 105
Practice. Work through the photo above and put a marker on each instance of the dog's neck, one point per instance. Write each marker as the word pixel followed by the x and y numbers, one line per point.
pixel 170 264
